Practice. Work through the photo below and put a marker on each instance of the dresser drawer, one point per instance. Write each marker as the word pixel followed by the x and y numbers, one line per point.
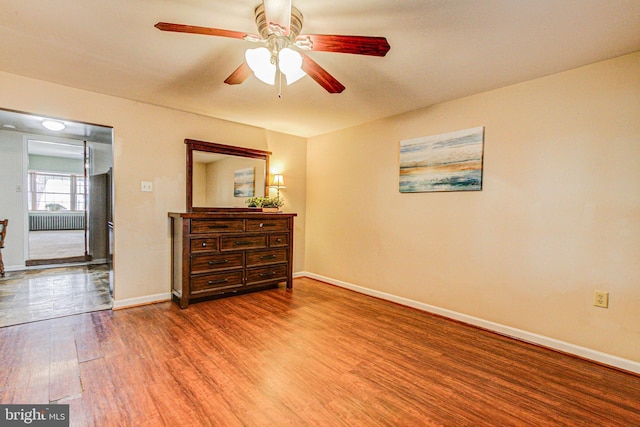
pixel 278 240
pixel 216 226
pixel 263 274
pixel 204 245
pixel 212 262
pixel 275 224
pixel 234 243
pixel 273 256
pixel 217 281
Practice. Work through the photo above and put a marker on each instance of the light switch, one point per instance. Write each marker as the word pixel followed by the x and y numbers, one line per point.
pixel 146 186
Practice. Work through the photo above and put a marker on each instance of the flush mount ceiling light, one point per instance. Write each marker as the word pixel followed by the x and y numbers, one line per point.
pixel 279 24
pixel 53 125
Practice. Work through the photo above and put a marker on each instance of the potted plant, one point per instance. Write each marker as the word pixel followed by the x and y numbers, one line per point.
pixel 271 204
pixel 268 204
pixel 56 207
pixel 254 202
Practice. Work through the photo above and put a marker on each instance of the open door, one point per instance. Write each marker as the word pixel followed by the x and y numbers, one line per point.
pixel 97 217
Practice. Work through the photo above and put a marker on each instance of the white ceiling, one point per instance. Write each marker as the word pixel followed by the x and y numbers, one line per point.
pixel 49 149
pixel 440 50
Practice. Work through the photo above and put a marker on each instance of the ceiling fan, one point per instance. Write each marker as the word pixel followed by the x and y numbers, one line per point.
pixel 279 25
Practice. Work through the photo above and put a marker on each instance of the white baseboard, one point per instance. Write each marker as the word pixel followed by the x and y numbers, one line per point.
pixel 587 353
pixel 148 299
pixel 8 268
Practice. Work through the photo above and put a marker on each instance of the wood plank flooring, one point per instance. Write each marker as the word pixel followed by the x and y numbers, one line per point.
pixel 319 356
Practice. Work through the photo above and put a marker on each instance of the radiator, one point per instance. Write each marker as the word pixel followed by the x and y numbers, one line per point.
pixel 56 221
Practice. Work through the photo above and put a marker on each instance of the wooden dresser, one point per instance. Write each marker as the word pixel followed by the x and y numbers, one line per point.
pixel 219 254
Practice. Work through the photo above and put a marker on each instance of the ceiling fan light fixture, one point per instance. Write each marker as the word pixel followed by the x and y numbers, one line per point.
pixel 279 24
pixel 259 60
pixel 290 63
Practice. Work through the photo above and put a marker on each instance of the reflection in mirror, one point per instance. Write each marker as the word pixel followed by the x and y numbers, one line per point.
pixel 223 176
pixel 222 180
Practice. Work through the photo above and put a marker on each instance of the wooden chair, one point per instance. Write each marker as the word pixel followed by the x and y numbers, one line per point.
pixel 3 233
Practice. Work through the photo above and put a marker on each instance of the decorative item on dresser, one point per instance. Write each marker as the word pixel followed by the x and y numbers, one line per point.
pixel 226 253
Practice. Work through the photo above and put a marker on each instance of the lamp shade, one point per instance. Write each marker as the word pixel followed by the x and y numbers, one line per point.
pixel 277 181
pixel 259 60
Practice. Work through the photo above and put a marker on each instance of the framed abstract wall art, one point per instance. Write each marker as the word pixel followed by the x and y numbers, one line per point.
pixel 446 162
pixel 244 182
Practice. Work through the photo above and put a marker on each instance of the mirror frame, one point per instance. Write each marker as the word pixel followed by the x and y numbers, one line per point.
pixel 211 147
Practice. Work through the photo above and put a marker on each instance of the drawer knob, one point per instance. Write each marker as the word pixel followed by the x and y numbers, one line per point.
pixel 204 244
pixel 224 261
pixel 279 240
pixel 272 256
pixel 218 282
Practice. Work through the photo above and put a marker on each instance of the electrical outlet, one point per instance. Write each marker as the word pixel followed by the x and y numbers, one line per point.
pixel 146 186
pixel 601 299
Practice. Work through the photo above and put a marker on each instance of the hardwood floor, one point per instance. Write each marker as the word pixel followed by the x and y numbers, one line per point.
pixel 319 355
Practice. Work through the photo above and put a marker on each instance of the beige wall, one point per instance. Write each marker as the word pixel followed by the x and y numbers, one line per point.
pixel 558 218
pixel 199 184
pixel 290 159
pixel 221 179
pixel 148 146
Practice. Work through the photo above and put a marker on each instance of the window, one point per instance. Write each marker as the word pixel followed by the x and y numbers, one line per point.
pixel 56 192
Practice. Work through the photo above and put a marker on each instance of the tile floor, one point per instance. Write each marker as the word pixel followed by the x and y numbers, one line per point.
pixel 32 295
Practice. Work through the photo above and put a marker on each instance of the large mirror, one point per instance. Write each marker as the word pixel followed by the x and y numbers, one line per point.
pixel 223 176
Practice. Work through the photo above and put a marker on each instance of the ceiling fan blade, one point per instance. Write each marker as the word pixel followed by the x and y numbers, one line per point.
pixel 181 28
pixel 278 12
pixel 239 75
pixel 320 75
pixel 358 45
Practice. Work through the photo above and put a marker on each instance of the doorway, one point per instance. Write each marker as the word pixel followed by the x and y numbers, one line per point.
pixel 68 202
pixel 59 200
pixel 57 195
